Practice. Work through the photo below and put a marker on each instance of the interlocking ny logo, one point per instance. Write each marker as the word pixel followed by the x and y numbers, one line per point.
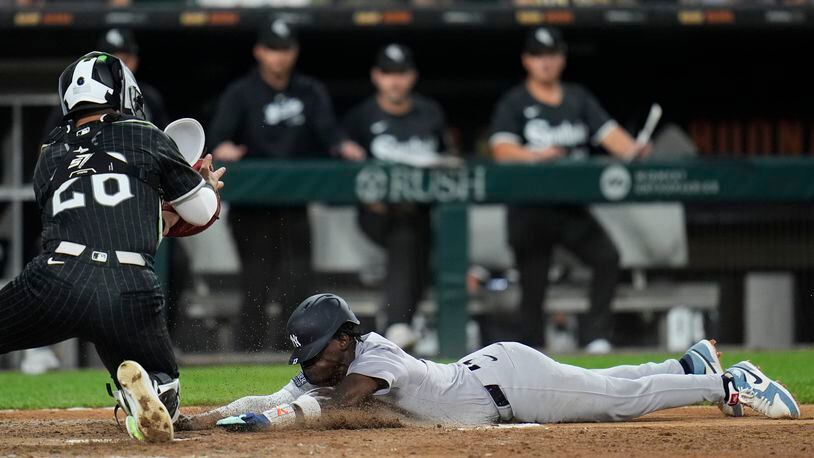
pixel 295 341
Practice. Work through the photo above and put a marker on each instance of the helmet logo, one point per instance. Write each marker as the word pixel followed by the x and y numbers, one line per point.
pixel 281 28
pixel 295 341
pixel 115 38
pixel 544 37
pixel 395 53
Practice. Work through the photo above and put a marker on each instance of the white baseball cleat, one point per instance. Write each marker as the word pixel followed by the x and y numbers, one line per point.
pixel 401 334
pixel 704 358
pixel 147 419
pixel 599 347
pixel 750 386
pixel 38 361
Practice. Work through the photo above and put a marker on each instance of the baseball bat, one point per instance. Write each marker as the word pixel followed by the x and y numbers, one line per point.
pixel 650 124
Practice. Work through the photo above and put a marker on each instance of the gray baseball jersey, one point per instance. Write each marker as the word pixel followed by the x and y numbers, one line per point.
pixel 537 388
pixel 447 393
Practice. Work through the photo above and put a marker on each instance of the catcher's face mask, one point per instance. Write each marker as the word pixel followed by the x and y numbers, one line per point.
pixel 132 101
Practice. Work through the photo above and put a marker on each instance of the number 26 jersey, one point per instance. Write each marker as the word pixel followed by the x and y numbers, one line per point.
pixel 101 185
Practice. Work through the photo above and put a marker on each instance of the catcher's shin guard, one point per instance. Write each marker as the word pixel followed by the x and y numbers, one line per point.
pixel 169 392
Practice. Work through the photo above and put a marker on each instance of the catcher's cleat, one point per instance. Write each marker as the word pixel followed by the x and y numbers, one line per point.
pixel 703 358
pixel 747 384
pixel 147 418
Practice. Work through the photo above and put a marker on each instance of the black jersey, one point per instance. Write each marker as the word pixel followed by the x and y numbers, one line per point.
pixel 297 122
pixel 576 124
pixel 398 138
pixel 101 185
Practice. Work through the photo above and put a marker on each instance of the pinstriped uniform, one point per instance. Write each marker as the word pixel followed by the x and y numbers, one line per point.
pixel 116 306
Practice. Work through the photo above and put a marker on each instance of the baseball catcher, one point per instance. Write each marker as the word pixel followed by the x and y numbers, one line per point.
pixel 503 382
pixel 100 181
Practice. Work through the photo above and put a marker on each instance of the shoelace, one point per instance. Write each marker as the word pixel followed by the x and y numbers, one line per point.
pixel 748 393
pixel 759 403
pixel 115 409
pixel 116 416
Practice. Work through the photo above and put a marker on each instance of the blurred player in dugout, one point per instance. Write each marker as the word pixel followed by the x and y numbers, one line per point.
pixel 542 120
pixel 274 113
pixel 400 126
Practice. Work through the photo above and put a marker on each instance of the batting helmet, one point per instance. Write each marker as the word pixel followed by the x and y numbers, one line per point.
pixel 96 81
pixel 314 323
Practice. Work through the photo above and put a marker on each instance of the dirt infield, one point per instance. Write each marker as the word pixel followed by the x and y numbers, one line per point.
pixel 686 431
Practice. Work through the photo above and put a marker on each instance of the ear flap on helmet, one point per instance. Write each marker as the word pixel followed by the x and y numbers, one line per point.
pixel 132 100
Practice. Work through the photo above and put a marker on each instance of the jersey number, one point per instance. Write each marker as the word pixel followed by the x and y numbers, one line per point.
pixel 100 194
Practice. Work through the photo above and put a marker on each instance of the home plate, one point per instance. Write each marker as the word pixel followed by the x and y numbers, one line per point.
pixel 91 441
pixel 109 441
pixel 503 426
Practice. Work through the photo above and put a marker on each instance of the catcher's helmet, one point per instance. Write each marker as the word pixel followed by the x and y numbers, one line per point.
pixel 96 81
pixel 314 323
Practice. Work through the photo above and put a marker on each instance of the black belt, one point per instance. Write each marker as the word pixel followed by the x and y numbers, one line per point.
pixel 504 409
pixel 497 395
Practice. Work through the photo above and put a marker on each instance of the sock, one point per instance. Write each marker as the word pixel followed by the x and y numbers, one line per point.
pixel 730 392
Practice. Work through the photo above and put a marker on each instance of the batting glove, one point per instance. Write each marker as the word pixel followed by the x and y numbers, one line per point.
pixel 247 422
pixel 280 415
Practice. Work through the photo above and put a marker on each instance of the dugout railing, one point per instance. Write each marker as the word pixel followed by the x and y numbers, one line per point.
pixel 19 142
pixel 15 184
